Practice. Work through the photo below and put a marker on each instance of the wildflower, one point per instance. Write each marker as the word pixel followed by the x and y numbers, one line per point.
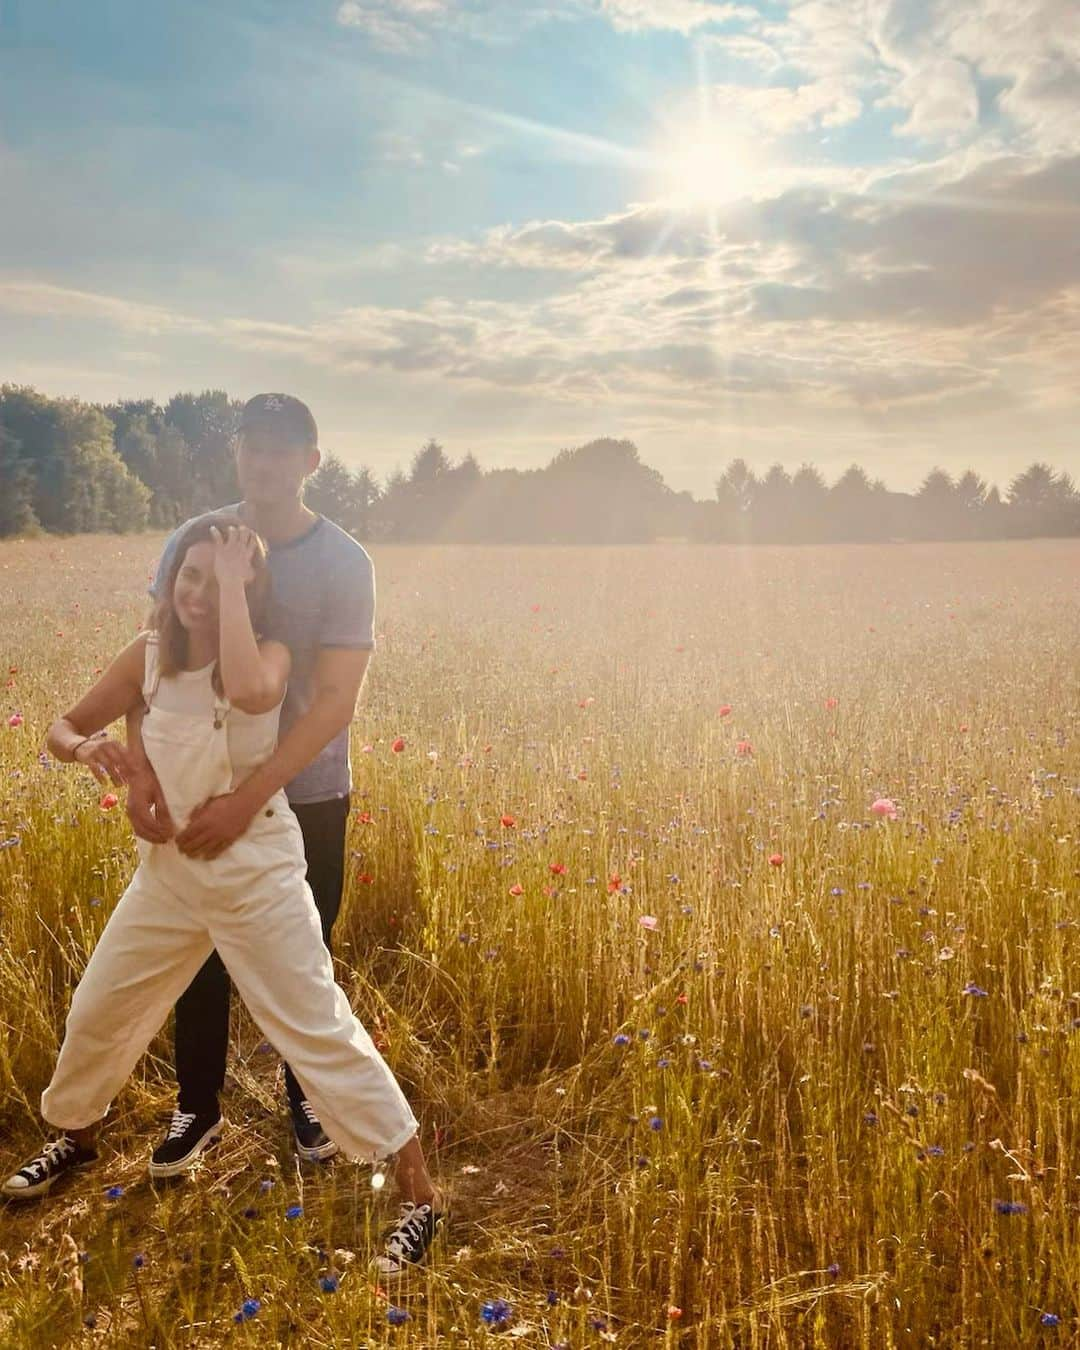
pixel 884 807
pixel 724 710
pixel 973 989
pixel 328 1284
pixel 507 821
pixel 1010 1207
pixel 557 869
pixel 1050 1320
pixel 397 1316
pixel 248 1310
pixel 398 745
pixel 621 1039
pixel 496 1312
pixel 365 878
pixel 655 1124
pixel 935 1151
pixel 108 801
pixel 870 1118
pixel 837 890
pixel 682 999
pixel 614 882
pixel 552 1298
pixel 663 1062
pixel 674 1313
pixel 649 922
pixel 644 1034
pixel 776 859
pixel 517 888
pixel 744 749
pixel 15 720
pixel 114 1192
pixel 138 1261
pixel 294 1211
pixel 833 1269
pixel 364 817
pixel 831 703
pixel 265 1185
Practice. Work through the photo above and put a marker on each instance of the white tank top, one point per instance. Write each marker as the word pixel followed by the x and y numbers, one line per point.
pixel 252 737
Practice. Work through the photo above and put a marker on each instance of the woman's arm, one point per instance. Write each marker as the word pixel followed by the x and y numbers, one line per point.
pixel 74 736
pixel 253 674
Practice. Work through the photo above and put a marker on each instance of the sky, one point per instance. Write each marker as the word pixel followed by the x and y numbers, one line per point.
pixel 825 231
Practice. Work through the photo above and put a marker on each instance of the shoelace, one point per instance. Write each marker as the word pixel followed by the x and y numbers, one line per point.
pixel 309 1111
pixel 55 1151
pixel 180 1122
pixel 405 1236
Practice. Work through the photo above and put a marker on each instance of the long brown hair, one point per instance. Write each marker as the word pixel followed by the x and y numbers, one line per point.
pixel 172 635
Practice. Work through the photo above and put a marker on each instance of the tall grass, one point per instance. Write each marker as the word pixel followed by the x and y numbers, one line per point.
pixel 788 1109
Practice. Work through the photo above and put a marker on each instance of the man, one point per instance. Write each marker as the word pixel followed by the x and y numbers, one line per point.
pixel 323 610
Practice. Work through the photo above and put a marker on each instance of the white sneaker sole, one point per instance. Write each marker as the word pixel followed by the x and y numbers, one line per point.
pixel 317 1154
pixel 160 1171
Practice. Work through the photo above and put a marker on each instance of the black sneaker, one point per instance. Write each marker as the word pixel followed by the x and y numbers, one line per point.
pixel 58 1157
pixel 189 1133
pixel 312 1142
pixel 407 1243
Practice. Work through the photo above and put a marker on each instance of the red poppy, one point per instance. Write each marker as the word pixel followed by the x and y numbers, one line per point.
pixel 724 710
pixel 398 745
pixel 557 869
pixel 507 821
pixel 517 888
pixel 365 878
pixel 831 703
pixel 682 998
pixel 744 749
pixel 108 801
pixel 614 881
pixel 776 859
pixel 364 817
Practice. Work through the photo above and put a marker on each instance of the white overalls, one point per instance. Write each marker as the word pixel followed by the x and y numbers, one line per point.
pixel 254 905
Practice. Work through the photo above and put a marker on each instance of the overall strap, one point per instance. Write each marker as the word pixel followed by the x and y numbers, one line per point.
pixel 151 669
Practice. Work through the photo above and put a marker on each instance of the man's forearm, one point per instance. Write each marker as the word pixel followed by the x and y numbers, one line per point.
pixel 297 749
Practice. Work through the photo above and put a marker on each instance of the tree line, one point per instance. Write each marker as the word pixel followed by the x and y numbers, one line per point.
pixel 72 467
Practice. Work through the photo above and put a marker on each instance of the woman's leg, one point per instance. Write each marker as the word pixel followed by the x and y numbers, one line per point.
pixel 273 948
pixel 147 954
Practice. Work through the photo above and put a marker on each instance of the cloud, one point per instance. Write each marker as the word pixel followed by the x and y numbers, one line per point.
pixel 38 299
pixel 681 15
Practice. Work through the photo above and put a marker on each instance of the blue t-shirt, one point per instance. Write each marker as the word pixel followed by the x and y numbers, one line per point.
pixel 322 595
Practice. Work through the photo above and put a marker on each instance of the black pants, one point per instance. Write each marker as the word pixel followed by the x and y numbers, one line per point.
pixel 202 1012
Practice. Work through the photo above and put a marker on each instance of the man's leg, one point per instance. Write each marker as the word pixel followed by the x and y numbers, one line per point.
pixel 201 1039
pixel 323 826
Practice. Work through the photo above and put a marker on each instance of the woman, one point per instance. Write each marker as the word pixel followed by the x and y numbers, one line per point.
pixel 213 693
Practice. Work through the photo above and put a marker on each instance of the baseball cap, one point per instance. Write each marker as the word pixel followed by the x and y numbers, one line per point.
pixel 284 418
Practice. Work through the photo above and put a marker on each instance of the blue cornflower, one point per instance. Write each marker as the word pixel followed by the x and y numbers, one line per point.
pixel 705 1064
pixel 251 1212
pixel 644 1034
pixel 837 890
pixel 935 1151
pixel 139 1260
pixel 833 1269
pixel 663 1062
pixel 552 1298
pixel 656 1123
pixel 973 989
pixel 328 1284
pixel 397 1316
pixel 496 1312
pixel 1050 1320
pixel 620 1039
pixel 114 1192
pixel 294 1211
pixel 265 1185
pixel 1010 1207
pixel 558 1253
pixel 248 1310
pixel 870 1118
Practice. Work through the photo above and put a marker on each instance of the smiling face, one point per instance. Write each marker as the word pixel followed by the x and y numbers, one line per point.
pixel 195 592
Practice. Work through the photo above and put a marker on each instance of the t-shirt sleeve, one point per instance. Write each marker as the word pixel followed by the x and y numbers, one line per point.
pixel 348 618
pixel 164 563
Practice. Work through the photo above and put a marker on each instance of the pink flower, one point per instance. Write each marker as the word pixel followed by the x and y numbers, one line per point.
pixel 517 888
pixel 884 807
pixel 109 800
pixel 649 922
pixel 776 859
pixel 724 710
pixel 831 703
pixel 744 749
pixel 15 720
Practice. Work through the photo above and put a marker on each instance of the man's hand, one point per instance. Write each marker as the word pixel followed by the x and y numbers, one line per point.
pixel 146 807
pixel 214 826
pixel 106 759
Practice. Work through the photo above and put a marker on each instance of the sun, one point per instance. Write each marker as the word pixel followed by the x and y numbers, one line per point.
pixel 704 163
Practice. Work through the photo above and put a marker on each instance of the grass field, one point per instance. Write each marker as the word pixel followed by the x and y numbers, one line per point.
pixel 706 1052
